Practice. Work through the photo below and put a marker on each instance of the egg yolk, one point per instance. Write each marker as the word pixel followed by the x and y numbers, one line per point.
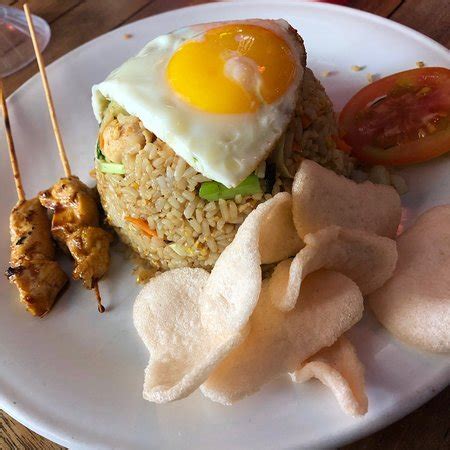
pixel 232 69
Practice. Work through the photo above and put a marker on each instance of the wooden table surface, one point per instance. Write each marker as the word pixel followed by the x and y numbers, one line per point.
pixel 74 22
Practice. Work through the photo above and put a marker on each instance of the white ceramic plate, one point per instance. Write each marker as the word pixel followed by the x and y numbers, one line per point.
pixel 76 376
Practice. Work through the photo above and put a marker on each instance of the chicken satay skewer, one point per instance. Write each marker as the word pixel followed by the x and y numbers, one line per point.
pixel 33 268
pixel 93 283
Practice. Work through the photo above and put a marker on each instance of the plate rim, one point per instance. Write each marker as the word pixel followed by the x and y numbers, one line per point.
pixel 40 423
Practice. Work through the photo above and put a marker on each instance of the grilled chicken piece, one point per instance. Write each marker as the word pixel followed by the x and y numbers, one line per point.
pixel 73 204
pixel 75 225
pixel 39 282
pixel 33 270
pixel 30 232
pixel 89 247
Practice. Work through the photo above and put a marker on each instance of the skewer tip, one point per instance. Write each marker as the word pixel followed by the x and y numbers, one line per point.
pixel 100 307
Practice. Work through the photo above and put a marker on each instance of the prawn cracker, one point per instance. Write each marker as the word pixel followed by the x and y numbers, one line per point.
pixel 278 341
pixel 322 198
pixel 367 259
pixel 414 304
pixel 338 368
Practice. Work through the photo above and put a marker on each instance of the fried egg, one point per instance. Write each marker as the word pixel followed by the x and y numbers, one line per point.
pixel 219 94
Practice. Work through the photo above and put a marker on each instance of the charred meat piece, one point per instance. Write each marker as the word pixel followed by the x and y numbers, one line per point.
pixel 39 283
pixel 30 232
pixel 89 247
pixel 33 270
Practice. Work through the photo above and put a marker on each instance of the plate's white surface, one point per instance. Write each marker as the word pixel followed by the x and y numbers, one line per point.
pixel 76 377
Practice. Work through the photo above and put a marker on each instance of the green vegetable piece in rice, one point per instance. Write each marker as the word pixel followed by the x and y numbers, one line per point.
pixel 99 154
pixel 212 190
pixel 108 167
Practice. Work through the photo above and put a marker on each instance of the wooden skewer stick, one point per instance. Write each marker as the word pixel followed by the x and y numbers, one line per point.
pixel 52 112
pixel 48 94
pixel 11 149
pixel 100 307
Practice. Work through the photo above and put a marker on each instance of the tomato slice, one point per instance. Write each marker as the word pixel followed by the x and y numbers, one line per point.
pixel 401 119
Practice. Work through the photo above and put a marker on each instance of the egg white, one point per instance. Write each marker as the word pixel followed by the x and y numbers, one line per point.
pixel 223 147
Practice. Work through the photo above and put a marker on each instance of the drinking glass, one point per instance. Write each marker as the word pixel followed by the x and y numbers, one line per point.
pixel 16 48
